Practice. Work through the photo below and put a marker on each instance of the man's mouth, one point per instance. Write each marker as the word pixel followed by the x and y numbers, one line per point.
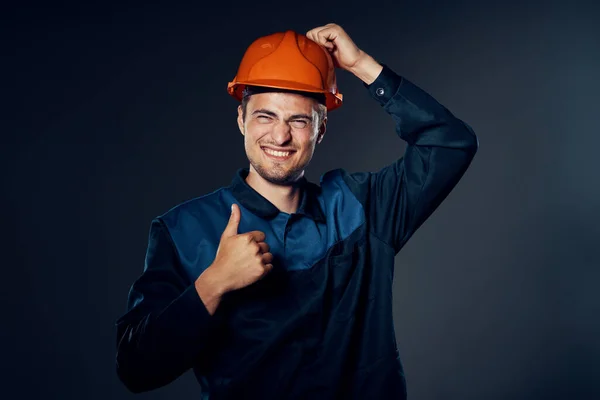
pixel 277 154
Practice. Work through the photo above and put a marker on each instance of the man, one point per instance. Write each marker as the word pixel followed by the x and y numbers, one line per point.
pixel 275 287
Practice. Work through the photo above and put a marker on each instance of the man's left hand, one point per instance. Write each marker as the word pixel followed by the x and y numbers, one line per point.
pixel 345 53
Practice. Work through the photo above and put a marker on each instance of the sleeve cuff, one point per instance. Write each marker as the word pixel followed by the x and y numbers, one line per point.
pixel 187 321
pixel 385 86
pixel 194 310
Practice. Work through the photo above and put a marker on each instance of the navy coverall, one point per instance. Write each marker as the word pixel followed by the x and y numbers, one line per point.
pixel 319 326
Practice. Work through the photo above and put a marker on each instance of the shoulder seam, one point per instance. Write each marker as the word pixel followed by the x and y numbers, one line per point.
pixel 197 198
pixel 164 226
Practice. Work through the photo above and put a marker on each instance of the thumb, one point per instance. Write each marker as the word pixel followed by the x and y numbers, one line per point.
pixel 234 221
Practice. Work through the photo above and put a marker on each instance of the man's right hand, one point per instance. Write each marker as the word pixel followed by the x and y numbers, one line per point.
pixel 241 259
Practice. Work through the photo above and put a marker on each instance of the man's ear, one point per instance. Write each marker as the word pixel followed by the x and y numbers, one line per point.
pixel 240 120
pixel 322 130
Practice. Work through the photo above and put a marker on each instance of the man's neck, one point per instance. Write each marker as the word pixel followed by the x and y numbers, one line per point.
pixel 285 197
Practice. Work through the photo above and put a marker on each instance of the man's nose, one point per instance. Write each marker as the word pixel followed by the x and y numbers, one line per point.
pixel 281 133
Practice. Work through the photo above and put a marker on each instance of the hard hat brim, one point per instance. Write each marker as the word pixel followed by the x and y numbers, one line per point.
pixel 236 88
pixel 277 84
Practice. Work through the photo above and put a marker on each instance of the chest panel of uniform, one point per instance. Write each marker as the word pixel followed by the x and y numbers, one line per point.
pixel 296 241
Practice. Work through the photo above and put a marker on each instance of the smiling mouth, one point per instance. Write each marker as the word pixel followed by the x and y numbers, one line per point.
pixel 276 154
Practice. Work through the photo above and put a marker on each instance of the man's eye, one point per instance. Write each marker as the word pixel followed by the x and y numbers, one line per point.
pixel 263 118
pixel 299 123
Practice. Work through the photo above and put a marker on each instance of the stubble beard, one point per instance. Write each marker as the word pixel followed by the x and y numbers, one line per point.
pixel 278 175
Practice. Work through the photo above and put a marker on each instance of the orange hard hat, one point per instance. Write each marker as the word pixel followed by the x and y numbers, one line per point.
pixel 287 61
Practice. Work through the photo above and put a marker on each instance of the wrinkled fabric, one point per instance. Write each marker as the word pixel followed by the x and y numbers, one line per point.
pixel 320 325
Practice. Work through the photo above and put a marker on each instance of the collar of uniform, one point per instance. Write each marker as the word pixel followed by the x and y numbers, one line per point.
pixel 259 205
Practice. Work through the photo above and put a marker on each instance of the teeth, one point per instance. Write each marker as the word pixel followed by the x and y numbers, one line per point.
pixel 278 153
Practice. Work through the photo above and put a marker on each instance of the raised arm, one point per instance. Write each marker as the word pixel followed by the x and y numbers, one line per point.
pixel 400 197
pixel 440 147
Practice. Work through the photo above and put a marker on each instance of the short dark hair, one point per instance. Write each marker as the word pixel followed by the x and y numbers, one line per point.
pixel 250 90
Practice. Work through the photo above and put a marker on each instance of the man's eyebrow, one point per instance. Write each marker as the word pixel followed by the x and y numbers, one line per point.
pixel 264 111
pixel 301 116
pixel 273 114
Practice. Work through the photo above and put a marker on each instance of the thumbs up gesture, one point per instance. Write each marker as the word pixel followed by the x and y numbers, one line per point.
pixel 241 259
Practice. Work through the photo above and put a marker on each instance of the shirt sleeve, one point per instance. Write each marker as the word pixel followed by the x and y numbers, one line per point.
pixel 166 328
pixel 440 147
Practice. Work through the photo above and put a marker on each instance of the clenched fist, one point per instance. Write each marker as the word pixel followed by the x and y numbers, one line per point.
pixel 344 52
pixel 241 259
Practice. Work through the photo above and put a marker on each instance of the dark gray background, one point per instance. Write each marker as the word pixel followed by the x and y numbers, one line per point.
pixel 115 113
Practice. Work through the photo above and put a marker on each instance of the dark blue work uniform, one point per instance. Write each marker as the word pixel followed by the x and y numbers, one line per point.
pixel 320 325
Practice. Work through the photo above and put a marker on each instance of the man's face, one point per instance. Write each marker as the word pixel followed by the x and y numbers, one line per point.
pixel 280 134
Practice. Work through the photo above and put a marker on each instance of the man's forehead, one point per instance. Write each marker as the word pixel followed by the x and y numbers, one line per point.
pixel 282 102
